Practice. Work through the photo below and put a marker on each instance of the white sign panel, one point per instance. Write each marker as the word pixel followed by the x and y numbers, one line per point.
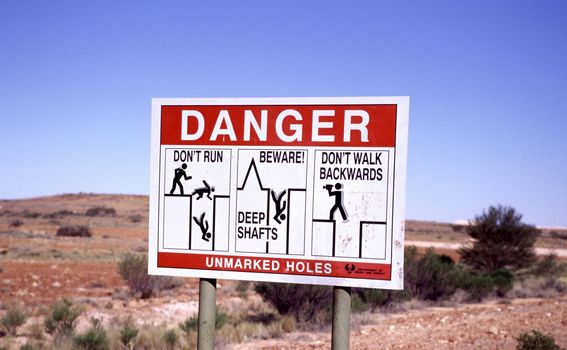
pixel 301 190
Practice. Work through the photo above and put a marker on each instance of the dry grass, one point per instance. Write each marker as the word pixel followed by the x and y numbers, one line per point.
pixel 538 287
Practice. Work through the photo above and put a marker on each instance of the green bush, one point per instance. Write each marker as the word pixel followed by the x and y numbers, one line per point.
pixel 15 317
pixel 370 299
pixel 536 341
pixel 432 277
pixel 192 323
pixel 221 318
pixel 503 281
pixel 134 270
pixel 62 319
pixel 501 240
pixel 94 338
pixel 437 277
pixel 302 301
pixel 357 304
pixel 478 286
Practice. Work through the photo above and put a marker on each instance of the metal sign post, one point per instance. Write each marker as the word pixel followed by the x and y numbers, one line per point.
pixel 341 318
pixel 207 314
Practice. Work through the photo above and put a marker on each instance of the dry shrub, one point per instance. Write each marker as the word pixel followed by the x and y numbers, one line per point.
pixel 170 338
pixel 543 279
pixel 559 235
pixel 134 270
pixel 242 289
pixel 136 218
pixel 30 214
pixel 549 266
pixel 190 339
pixel 128 332
pixel 304 302
pixel 58 214
pixel 275 329
pixel 16 223
pixel 100 211
pixel 242 332
pixel 14 317
pixel 288 324
pixel 150 338
pixel 29 346
pixel 254 305
pixel 253 320
pixel 538 287
pixel 457 227
pixel 74 231
pixel 35 330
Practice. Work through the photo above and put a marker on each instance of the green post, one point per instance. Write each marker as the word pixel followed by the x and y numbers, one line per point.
pixel 207 313
pixel 341 318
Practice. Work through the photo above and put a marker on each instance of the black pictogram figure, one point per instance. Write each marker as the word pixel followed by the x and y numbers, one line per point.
pixel 204 226
pixel 179 173
pixel 338 194
pixel 202 190
pixel 280 206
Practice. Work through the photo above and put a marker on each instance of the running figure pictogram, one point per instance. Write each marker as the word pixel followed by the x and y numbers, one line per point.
pixel 179 173
pixel 338 194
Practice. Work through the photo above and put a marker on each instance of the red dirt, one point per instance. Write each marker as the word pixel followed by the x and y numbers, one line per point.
pixel 41 283
pixel 38 268
pixel 480 326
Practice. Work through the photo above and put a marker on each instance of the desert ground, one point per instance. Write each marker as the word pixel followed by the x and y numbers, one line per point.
pixel 38 268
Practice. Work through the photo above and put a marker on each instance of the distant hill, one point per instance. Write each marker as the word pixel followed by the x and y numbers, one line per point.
pixel 128 205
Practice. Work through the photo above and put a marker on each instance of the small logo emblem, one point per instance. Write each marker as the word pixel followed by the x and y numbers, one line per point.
pixel 350 268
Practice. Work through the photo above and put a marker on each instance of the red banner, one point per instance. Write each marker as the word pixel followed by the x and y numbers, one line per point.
pixel 285 266
pixel 280 125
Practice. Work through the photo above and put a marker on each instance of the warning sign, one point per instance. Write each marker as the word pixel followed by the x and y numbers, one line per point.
pixel 303 190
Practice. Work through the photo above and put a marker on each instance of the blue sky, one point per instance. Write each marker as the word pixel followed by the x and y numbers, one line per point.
pixel 487 82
